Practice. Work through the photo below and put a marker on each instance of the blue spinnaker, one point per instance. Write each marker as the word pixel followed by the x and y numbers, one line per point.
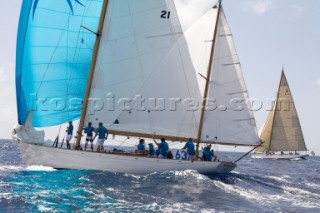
pixel 54 53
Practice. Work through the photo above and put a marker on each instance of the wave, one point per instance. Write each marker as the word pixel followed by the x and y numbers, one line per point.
pixel 29 168
pixel 40 168
pixel 10 168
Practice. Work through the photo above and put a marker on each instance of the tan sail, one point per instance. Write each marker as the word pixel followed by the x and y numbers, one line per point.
pixel 266 133
pixel 282 131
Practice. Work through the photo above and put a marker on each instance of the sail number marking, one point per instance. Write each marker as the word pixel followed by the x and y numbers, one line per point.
pixel 165 14
pixel 183 155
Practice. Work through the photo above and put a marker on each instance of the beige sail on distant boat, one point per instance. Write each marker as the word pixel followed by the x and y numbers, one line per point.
pixel 282 135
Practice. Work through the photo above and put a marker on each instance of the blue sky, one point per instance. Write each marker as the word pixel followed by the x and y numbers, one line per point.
pixel 267 33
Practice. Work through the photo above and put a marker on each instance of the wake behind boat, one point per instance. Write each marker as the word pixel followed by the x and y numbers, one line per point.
pixel 282 134
pixel 138 73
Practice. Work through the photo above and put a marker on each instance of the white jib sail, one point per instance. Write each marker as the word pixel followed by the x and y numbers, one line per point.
pixel 228 118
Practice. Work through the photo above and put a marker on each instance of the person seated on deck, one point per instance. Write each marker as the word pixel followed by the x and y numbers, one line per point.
pixel 141 148
pixel 282 153
pixel 152 152
pixel 158 152
pixel 170 155
pixel 163 148
pixel 207 154
pixel 190 149
pixel 214 157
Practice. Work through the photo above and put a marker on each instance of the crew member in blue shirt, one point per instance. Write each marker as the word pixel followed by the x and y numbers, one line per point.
pixel 190 149
pixel 152 152
pixel 207 154
pixel 141 148
pixel 89 130
pixel 163 148
pixel 69 134
pixel 102 133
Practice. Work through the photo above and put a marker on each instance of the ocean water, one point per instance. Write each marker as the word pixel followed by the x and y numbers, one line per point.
pixel 255 186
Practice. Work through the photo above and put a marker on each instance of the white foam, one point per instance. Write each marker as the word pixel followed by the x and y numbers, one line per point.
pixel 192 173
pixel 299 191
pixel 137 177
pixel 12 168
pixel 306 204
pixel 85 179
pixel 44 209
pixel 281 178
pixel 40 168
pixel 246 193
pixel 313 185
pixel 5 195
pixel 294 195
pixel 178 207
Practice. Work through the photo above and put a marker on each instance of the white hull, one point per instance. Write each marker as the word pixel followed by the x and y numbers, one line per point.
pixel 278 156
pixel 71 159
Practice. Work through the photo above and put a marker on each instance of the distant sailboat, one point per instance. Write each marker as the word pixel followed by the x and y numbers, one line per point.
pixel 137 51
pixel 282 131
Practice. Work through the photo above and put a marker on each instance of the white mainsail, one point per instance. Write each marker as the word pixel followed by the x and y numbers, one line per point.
pixel 136 37
pixel 171 86
pixel 283 132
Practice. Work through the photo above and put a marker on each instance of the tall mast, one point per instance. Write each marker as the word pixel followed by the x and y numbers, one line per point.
pixel 206 90
pixel 92 68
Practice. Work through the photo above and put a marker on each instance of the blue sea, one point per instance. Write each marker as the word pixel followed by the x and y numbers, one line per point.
pixel 254 186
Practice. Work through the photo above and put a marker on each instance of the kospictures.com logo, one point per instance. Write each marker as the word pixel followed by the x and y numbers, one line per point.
pixel 138 103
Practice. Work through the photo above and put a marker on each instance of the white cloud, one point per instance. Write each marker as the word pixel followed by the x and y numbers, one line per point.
pixel 318 82
pixel 258 7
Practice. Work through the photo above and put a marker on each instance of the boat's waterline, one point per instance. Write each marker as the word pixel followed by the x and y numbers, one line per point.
pixel 71 159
